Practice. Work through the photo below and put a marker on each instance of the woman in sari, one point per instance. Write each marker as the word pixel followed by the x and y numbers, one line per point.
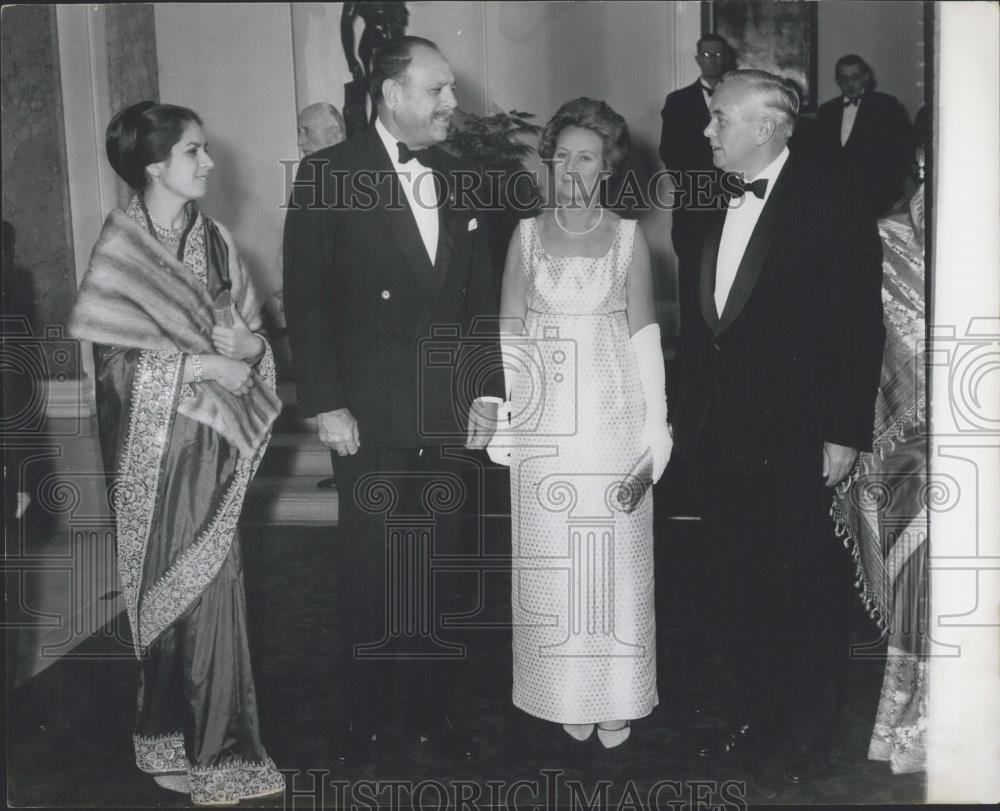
pixel 186 400
pixel 882 509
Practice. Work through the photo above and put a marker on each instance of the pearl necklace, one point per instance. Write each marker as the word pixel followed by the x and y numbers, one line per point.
pixel 600 217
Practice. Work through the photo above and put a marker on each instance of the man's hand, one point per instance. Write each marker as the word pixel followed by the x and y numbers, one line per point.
pixel 837 462
pixel 482 424
pixel 338 430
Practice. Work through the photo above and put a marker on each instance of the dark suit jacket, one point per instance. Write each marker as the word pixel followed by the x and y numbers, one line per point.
pixel 874 159
pixel 683 145
pixel 685 116
pixel 795 358
pixel 373 326
pixel 684 148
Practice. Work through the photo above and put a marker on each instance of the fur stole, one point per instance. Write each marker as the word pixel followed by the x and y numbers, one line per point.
pixel 136 294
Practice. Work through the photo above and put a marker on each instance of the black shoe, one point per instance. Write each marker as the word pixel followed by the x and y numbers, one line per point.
pixel 806 761
pixel 353 746
pixel 451 742
pixel 741 737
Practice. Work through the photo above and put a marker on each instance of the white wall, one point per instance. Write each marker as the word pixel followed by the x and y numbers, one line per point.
pixel 889 35
pixel 320 66
pixel 963 746
pixel 459 29
pixel 233 64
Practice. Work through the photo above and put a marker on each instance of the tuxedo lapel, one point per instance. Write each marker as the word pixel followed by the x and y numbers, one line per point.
pixel 399 218
pixel 709 260
pixel 756 252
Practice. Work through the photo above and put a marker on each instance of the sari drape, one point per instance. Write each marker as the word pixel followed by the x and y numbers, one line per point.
pixel 881 511
pixel 180 458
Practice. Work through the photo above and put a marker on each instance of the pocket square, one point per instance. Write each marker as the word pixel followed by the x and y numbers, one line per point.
pixel 473 224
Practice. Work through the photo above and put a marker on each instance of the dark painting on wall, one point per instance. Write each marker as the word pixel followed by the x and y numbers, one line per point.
pixel 779 37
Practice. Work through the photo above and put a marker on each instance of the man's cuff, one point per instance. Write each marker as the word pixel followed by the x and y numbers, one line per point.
pixel 489 398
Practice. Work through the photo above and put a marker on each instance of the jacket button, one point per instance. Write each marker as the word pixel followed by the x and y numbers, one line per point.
pixel 716 347
pixel 386 295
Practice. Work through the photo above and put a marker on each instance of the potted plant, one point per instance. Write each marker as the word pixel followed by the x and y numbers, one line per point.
pixel 494 146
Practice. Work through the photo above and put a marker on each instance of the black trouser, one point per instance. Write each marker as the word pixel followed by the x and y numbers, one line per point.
pixel 783 584
pixel 401 510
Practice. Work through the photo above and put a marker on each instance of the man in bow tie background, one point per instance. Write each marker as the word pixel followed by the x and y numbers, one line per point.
pixel 384 283
pixel 864 135
pixel 780 369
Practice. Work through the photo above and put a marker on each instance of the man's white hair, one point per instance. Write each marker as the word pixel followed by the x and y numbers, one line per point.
pixel 777 95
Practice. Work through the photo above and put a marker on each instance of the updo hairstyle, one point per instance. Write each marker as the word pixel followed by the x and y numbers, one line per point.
pixel 142 134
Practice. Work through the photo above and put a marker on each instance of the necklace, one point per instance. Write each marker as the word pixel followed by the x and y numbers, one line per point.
pixel 157 230
pixel 600 217
pixel 166 231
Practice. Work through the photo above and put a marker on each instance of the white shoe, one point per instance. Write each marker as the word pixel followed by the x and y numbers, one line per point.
pixel 174 781
pixel 616 736
pixel 579 732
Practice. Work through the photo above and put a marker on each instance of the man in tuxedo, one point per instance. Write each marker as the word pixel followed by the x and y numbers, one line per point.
pixel 386 278
pixel 780 371
pixel 685 153
pixel 864 135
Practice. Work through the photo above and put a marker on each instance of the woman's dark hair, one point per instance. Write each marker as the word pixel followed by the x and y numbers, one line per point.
pixel 144 133
pixel 595 116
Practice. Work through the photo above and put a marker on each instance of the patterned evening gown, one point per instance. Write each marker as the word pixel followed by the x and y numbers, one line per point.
pixel 582 591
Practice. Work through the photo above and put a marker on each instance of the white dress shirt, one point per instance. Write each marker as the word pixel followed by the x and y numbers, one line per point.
pixel 850 115
pixel 741 219
pixel 706 93
pixel 418 186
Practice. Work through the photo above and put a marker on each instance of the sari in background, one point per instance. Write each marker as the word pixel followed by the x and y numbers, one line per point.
pixel 882 508
pixel 180 457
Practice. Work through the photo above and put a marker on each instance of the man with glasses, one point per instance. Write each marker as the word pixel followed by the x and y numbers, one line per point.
pixel 863 136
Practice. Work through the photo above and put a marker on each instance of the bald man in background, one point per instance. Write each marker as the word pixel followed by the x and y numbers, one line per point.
pixel 320 125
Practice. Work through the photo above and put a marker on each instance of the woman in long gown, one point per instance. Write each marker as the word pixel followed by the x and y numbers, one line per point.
pixel 186 397
pixel 586 402
pixel 882 509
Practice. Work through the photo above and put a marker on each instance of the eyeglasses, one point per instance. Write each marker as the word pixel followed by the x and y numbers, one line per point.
pixel 711 55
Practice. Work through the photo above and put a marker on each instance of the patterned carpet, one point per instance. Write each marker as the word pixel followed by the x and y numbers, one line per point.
pixel 69 728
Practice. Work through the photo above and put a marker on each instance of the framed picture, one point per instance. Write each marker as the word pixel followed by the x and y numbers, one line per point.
pixel 776 37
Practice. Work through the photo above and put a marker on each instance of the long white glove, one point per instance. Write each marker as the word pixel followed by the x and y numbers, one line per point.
pixel 649 357
pixel 499 447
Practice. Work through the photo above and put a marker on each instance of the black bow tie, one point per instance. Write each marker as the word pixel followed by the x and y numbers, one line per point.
pixel 758 188
pixel 855 102
pixel 707 89
pixel 423 156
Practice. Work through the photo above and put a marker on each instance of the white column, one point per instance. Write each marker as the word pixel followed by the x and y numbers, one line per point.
pixel 687 29
pixel 964 727
pixel 83 68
